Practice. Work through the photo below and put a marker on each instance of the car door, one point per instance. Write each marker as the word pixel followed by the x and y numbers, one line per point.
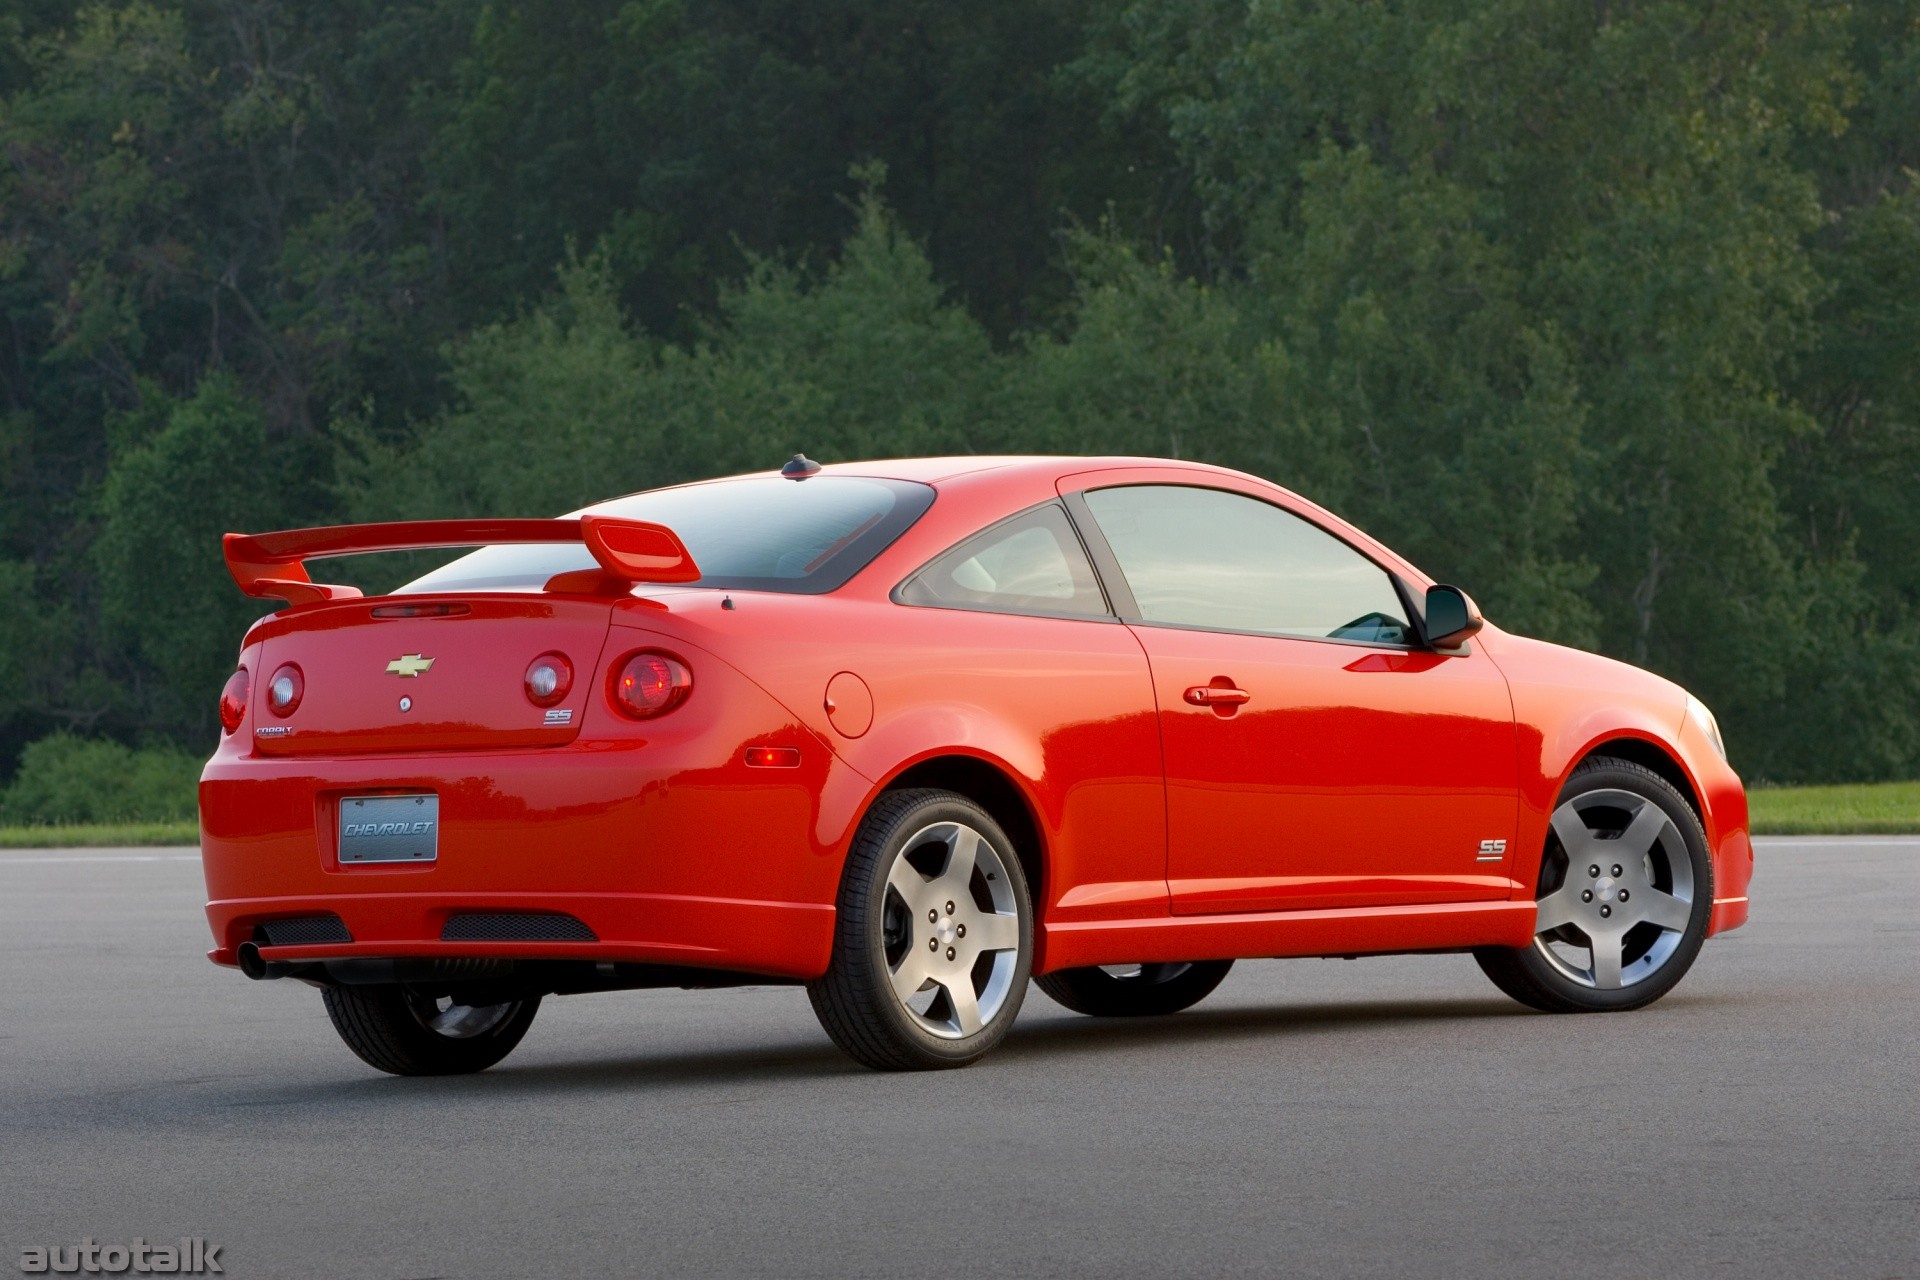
pixel 1315 755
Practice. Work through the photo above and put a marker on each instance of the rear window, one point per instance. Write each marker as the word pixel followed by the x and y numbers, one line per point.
pixel 760 533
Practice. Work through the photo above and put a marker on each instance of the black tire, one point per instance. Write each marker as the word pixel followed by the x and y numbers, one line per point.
pixel 1532 976
pixel 1155 990
pixel 391 1028
pixel 876 935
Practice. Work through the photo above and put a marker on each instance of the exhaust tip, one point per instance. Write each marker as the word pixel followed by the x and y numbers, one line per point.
pixel 251 963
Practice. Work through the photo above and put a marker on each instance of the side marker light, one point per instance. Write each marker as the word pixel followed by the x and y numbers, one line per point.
pixel 773 757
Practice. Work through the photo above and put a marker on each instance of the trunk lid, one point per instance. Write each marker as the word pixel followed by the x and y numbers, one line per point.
pixel 459 664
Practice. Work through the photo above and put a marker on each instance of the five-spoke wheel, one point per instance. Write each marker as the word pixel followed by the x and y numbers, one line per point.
pixel 934 937
pixel 1624 894
pixel 951 929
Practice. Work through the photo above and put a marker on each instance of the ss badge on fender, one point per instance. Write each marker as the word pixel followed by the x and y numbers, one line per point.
pixel 1492 851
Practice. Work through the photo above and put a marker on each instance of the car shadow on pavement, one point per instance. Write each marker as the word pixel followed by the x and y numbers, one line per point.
pixel 1044 1034
pixel 1066 1033
pixel 1054 1032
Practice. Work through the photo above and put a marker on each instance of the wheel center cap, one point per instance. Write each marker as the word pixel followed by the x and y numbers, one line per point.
pixel 1606 889
pixel 944 931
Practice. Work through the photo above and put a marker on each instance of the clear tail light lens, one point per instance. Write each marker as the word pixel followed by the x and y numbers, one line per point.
pixel 286 689
pixel 549 679
pixel 650 684
pixel 233 700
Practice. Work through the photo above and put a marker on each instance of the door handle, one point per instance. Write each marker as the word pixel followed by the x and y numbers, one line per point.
pixel 1217 695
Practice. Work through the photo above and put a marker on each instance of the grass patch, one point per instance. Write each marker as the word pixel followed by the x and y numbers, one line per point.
pixel 1883 808
pixel 85 834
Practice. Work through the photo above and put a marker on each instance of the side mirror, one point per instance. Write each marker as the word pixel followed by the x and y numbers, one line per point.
pixel 1452 617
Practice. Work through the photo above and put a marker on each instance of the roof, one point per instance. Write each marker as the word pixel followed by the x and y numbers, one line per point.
pixel 936 470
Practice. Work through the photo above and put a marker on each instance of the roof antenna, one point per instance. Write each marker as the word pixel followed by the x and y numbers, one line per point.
pixel 800 467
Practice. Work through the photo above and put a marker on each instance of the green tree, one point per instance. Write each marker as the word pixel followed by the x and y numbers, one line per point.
pixel 168 498
pixel 569 404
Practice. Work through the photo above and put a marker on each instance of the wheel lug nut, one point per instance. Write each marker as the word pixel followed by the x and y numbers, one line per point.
pixel 949 953
pixel 1594 872
pixel 949 908
pixel 933 917
pixel 961 929
pixel 933 944
pixel 1586 896
pixel 1623 895
pixel 1616 869
pixel 1606 911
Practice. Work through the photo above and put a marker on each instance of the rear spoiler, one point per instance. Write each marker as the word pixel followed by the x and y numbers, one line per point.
pixel 272 566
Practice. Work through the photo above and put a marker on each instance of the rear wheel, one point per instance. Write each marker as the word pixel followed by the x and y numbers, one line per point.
pixel 933 939
pixel 406 1032
pixel 1625 891
pixel 1134 990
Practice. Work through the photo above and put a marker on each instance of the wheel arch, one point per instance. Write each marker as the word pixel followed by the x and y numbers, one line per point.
pixel 1651 755
pixel 994 788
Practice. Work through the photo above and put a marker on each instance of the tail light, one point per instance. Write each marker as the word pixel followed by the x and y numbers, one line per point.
pixel 650 683
pixel 286 689
pixel 549 678
pixel 233 700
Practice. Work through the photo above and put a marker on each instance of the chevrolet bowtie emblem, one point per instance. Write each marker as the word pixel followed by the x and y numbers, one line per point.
pixel 410 665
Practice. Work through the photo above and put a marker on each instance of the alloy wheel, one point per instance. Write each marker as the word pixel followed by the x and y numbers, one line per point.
pixel 1617 885
pixel 951 932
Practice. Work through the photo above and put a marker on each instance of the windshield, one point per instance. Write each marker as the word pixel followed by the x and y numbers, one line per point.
pixel 758 533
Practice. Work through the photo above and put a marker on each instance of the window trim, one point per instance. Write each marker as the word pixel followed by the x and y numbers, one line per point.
pixel 1106 566
pixel 1099 580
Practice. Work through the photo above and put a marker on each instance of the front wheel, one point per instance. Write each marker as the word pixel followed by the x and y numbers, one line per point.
pixel 1134 990
pixel 1625 892
pixel 933 939
pixel 405 1032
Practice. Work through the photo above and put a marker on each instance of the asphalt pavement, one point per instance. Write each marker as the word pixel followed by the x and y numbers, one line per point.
pixel 1381 1117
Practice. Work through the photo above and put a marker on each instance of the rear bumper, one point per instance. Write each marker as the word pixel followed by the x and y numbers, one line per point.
pixel 779 939
pixel 670 854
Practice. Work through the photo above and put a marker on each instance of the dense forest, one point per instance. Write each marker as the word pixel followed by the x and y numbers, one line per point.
pixel 1607 312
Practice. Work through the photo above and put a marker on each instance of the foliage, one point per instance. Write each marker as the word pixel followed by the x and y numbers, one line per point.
pixel 98 835
pixel 168 496
pixel 67 779
pixel 1605 312
pixel 568 404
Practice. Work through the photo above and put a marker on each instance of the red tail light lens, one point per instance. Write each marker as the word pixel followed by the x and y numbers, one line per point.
pixel 233 700
pixel 650 684
pixel 285 690
pixel 549 678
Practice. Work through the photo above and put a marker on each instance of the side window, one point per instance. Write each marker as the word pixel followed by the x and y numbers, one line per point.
pixel 1032 563
pixel 1208 558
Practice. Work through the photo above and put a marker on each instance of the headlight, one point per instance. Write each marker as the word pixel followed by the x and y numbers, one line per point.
pixel 1698 713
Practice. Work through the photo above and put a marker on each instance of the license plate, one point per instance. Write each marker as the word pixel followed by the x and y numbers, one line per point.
pixel 390 828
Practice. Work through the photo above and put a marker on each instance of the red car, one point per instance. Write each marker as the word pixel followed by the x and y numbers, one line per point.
pixel 912 732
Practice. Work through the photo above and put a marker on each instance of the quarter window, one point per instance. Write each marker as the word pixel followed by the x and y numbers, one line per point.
pixel 1032 563
pixel 1223 561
